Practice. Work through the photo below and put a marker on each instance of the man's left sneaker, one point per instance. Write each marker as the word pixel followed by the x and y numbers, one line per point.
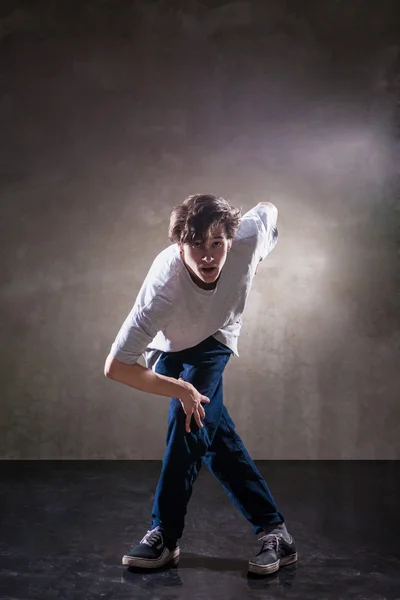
pixel 278 549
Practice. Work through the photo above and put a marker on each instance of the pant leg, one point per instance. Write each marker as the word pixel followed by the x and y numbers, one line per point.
pixel 202 366
pixel 228 459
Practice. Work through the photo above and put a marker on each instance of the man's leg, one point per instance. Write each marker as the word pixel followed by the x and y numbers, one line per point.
pixel 203 367
pixel 228 459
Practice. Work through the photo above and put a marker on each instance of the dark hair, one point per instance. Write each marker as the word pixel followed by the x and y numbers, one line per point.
pixel 196 216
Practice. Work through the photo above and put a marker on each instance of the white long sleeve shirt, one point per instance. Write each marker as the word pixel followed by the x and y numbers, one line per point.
pixel 172 313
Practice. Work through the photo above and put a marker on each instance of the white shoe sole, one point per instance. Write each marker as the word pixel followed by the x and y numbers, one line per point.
pixel 273 567
pixel 148 563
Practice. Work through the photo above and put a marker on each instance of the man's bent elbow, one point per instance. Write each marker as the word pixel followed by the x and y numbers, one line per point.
pixel 271 206
pixel 268 204
pixel 110 367
pixel 118 370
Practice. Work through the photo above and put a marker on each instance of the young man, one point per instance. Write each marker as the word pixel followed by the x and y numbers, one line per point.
pixel 186 322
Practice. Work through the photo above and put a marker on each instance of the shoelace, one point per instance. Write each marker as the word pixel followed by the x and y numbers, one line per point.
pixel 271 542
pixel 152 537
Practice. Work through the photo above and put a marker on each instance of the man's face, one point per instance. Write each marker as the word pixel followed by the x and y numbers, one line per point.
pixel 204 260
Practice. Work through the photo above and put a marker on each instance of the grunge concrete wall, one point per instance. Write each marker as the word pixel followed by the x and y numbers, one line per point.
pixel 112 112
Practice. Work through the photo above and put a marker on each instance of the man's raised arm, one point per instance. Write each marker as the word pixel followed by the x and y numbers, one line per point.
pixel 271 206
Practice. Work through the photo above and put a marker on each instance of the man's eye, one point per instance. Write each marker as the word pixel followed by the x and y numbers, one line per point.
pixel 217 244
pixel 196 244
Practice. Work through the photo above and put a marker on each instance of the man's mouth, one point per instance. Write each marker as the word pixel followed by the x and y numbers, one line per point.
pixel 208 270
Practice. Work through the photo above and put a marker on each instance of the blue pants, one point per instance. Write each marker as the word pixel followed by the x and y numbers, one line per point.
pixel 217 444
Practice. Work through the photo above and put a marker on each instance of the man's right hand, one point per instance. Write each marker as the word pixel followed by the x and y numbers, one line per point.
pixel 144 379
pixel 191 401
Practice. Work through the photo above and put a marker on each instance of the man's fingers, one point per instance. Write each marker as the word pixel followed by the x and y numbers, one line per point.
pixel 204 399
pixel 197 412
pixel 187 423
pixel 197 418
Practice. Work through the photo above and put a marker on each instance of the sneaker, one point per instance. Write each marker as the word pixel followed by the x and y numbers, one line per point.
pixel 278 549
pixel 154 551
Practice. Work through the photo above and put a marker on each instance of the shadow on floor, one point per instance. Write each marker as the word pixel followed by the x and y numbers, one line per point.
pixel 168 576
pixel 190 560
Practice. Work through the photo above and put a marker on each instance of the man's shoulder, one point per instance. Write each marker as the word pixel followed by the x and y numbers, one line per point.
pixel 167 258
pixel 161 275
pixel 167 263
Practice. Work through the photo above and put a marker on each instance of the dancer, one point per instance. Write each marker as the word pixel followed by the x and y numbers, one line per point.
pixel 186 322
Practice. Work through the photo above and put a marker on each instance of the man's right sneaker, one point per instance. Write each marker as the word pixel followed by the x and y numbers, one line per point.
pixel 154 551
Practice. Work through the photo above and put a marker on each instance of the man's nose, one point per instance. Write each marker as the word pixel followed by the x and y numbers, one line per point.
pixel 207 258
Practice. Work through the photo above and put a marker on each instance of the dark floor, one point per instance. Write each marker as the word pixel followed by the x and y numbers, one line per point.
pixel 65 525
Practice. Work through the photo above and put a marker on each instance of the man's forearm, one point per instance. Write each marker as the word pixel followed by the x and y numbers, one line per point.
pixel 143 379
